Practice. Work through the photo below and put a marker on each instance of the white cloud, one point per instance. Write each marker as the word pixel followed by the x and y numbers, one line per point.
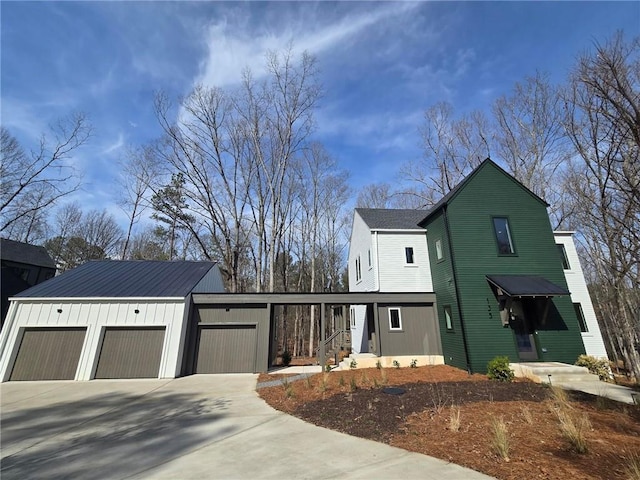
pixel 114 146
pixel 233 47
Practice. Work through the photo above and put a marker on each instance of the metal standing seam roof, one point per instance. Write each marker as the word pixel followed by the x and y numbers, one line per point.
pixel 392 219
pixel 135 278
pixel 26 253
pixel 527 286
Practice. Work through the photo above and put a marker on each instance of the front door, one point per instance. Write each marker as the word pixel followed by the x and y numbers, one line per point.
pixel 524 333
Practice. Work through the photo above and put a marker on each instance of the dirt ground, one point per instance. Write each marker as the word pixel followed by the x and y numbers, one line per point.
pixel 421 417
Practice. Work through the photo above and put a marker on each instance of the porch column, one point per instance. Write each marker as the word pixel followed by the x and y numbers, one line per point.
pixel 376 322
pixel 323 335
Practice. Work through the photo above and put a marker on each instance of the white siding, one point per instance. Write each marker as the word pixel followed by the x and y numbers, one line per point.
pixel 395 274
pixel 593 343
pixel 359 332
pixel 361 245
pixel 95 315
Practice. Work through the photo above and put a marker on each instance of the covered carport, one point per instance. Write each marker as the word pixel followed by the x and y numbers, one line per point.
pixel 233 332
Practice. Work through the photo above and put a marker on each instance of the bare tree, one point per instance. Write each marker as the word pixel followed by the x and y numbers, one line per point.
pixel 531 140
pixel 32 182
pixel 374 195
pixel 139 172
pixel 603 121
pixel 452 148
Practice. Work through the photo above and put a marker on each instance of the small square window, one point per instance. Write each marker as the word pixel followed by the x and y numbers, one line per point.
pixel 408 254
pixel 563 256
pixel 581 320
pixel 447 317
pixel 395 322
pixel 503 236
pixel 439 253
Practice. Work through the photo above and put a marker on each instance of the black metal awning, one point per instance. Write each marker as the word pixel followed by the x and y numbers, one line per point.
pixel 526 286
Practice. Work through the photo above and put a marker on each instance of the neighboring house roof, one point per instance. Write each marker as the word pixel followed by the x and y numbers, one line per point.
pixel 526 286
pixel 136 278
pixel 20 252
pixel 391 219
pixel 458 188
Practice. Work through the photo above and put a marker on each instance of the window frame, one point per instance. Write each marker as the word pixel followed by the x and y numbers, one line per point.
pixel 582 321
pixel 564 258
pixel 409 254
pixel 512 245
pixel 352 317
pixel 448 318
pixel 391 327
pixel 439 250
pixel 369 257
pixel 358 269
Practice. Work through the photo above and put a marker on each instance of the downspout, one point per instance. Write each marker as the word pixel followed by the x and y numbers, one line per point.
pixel 377 260
pixel 455 281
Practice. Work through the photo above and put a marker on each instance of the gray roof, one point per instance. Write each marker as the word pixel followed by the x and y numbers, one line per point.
pixel 20 252
pixel 527 286
pixel 137 278
pixel 392 219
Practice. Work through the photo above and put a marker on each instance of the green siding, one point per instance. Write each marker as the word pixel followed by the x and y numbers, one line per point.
pixel 444 288
pixel 476 255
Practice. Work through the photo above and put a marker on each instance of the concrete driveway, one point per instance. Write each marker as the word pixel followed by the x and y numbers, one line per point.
pixel 203 426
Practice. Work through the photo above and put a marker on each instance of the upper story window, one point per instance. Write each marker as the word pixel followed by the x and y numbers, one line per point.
pixel 563 256
pixel 369 256
pixel 439 252
pixel 447 317
pixel 352 316
pixel 358 269
pixel 503 235
pixel 395 321
pixel 408 255
pixel 581 320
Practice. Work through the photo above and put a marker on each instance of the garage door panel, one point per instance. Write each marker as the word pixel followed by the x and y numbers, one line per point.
pixel 131 353
pixel 226 349
pixel 48 354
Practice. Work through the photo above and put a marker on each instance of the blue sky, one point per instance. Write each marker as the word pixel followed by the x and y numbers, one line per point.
pixel 381 64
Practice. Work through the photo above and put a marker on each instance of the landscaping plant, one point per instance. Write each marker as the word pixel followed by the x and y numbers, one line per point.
pixel 499 369
pixel 596 366
pixel 500 439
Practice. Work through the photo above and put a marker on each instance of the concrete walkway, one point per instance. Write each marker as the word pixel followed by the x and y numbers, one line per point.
pixel 602 389
pixel 203 426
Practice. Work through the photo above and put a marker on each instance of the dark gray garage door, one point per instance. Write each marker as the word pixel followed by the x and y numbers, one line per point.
pixel 48 354
pixel 131 353
pixel 226 349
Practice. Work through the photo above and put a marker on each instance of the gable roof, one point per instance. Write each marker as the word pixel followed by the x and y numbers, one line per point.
pixel 458 188
pixel 391 219
pixel 26 253
pixel 130 278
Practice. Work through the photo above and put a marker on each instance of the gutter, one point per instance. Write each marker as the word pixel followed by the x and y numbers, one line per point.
pixel 455 281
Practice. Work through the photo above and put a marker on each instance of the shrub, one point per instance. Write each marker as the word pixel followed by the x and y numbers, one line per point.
pixel 414 363
pixel 633 467
pixel 454 418
pixel 286 358
pixel 353 363
pixel 595 366
pixel 378 364
pixel 498 369
pixel 327 367
pixel 574 428
pixel 396 364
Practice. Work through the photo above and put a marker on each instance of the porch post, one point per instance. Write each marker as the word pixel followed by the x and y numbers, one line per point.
pixel 323 335
pixel 376 322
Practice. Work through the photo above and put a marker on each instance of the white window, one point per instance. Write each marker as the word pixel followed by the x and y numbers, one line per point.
pixel 408 255
pixel 352 316
pixel 358 269
pixel 439 253
pixel 369 255
pixel 447 317
pixel 395 321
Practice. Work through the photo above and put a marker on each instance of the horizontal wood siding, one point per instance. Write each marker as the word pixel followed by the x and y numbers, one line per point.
pixel 131 353
pixel 395 274
pixel 476 255
pixel 593 342
pixel 48 354
pixel 360 244
pixel 419 335
pixel 444 287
